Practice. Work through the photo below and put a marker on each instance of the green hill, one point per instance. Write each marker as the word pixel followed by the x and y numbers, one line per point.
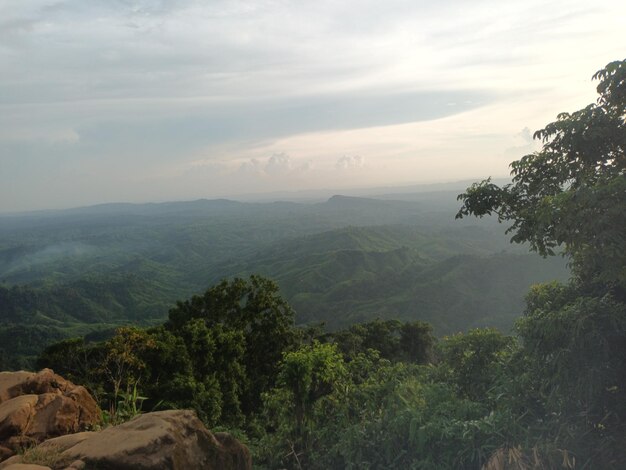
pixel 355 274
pixel 347 259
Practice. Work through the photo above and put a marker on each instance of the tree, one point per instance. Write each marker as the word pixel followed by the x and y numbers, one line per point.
pixel 417 341
pixel 123 364
pixel 394 340
pixel 309 374
pixel 252 310
pixel 572 193
pixel 474 359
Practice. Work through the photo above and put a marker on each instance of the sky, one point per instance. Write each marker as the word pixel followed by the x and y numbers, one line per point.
pixel 137 100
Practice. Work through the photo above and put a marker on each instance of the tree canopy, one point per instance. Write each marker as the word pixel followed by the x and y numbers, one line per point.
pixel 571 193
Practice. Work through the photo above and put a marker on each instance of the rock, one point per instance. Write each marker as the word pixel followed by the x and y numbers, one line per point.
pixel 9 380
pixel 14 384
pixel 37 406
pixel 65 442
pixel 26 466
pixel 15 414
pixel 76 465
pixel 15 459
pixel 164 440
pixel 5 453
pixel 234 447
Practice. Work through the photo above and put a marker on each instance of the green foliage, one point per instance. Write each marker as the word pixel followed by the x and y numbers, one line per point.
pixel 473 361
pixel 128 405
pixel 394 340
pixel 454 279
pixel 377 415
pixel 308 374
pixel 218 353
pixel 69 358
pixel 572 192
pixel 574 350
pixel 122 363
pixel 96 269
pixel 570 372
pixel 416 342
pixel 423 426
pixel 22 343
pixel 254 326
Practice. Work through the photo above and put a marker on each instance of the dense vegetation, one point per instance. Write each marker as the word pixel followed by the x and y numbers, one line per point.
pixel 385 393
pixel 303 399
pixel 86 271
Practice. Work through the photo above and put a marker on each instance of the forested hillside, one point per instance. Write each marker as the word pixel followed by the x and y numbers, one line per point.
pixel 451 280
pixel 347 259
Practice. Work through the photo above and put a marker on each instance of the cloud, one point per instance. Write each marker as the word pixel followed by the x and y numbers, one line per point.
pixel 279 163
pixel 528 146
pixel 108 89
pixel 526 135
pixel 348 162
pixel 252 167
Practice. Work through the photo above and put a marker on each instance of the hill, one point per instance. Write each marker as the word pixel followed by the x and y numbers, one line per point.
pixel 347 259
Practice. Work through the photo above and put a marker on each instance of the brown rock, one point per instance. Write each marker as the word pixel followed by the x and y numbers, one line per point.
pixel 15 415
pixel 14 384
pixel 65 442
pixel 56 415
pixel 76 465
pixel 5 453
pixel 164 440
pixel 8 380
pixel 234 448
pixel 88 411
pixel 37 406
pixel 26 466
pixel 10 461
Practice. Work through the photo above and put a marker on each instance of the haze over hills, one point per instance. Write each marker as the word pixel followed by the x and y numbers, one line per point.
pixel 339 261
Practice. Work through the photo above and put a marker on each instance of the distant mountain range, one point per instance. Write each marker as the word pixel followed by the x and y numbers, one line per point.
pixel 339 261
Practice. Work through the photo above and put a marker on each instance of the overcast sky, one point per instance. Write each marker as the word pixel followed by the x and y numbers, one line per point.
pixel 126 100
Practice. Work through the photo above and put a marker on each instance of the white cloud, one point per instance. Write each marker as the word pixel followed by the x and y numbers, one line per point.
pixel 251 168
pixel 279 163
pixel 349 161
pixel 526 135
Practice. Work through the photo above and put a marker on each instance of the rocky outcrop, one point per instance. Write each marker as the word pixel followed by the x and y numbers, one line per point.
pixel 37 406
pixel 48 417
pixel 163 440
pixel 21 466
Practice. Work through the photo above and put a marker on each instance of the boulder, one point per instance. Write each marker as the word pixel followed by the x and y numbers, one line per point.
pixel 14 384
pixel 5 453
pixel 26 466
pixel 48 416
pixel 37 406
pixel 11 380
pixel 163 440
